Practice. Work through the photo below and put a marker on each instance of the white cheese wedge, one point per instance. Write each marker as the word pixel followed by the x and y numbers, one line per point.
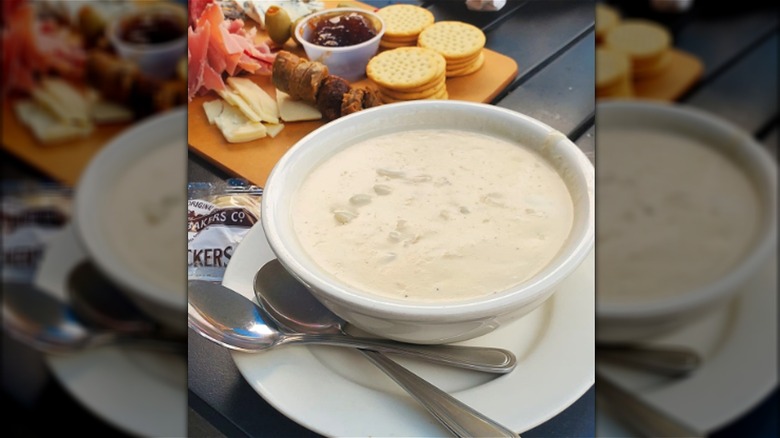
pixel 292 110
pixel 260 101
pixel 103 112
pixel 213 109
pixel 248 132
pixel 237 101
pixel 76 103
pixel 45 126
pixel 274 129
pixel 58 108
pixel 236 127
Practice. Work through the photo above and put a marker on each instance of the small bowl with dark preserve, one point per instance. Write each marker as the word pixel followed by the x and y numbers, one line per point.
pixel 344 39
pixel 153 36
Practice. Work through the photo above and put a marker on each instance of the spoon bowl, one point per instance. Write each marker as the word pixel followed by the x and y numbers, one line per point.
pixel 235 322
pixel 42 321
pixel 51 326
pixel 291 305
pixel 96 300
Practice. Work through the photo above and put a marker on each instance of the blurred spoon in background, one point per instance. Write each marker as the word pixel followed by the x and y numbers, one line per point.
pixel 96 301
pixel 51 326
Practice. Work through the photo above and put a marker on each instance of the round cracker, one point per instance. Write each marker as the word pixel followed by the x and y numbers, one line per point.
pixel 639 39
pixel 459 64
pixel 455 40
pixel 443 95
pixel 406 95
pixel 393 45
pixel 406 68
pixel 405 20
pixel 469 69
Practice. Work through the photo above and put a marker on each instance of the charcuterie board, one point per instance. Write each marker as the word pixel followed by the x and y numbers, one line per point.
pixel 254 160
pixel 63 162
pixel 684 72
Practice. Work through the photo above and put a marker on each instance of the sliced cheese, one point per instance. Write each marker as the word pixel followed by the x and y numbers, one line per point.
pixel 58 108
pixel 292 110
pixel 248 132
pixel 236 127
pixel 237 101
pixel 213 109
pixel 45 126
pixel 260 101
pixel 274 129
pixel 76 104
pixel 103 112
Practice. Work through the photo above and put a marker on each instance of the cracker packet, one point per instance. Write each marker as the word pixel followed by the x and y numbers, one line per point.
pixel 218 217
pixel 31 213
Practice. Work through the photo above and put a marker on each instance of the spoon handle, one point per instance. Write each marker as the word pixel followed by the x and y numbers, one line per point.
pixel 669 361
pixel 631 409
pixel 457 417
pixel 492 360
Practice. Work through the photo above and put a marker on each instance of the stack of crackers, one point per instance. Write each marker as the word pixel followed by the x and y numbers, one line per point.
pixel 628 51
pixel 403 24
pixel 408 73
pixel 460 43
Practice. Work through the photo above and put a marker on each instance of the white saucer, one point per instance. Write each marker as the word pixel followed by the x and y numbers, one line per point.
pixel 336 392
pixel 139 392
pixel 738 344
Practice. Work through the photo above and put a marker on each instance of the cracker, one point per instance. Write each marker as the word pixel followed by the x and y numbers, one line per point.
pixel 639 39
pixel 607 18
pixel 443 95
pixel 459 64
pixel 405 20
pixel 393 45
pixel 413 95
pixel 455 40
pixel 611 67
pixel 467 70
pixel 405 68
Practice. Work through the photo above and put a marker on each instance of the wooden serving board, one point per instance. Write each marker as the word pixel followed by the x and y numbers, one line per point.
pixel 254 160
pixel 682 74
pixel 64 162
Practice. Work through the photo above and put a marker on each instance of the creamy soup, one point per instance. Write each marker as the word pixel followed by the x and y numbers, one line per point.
pixel 147 219
pixel 673 214
pixel 433 215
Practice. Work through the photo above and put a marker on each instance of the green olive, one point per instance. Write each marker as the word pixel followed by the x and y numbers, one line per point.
pixel 277 23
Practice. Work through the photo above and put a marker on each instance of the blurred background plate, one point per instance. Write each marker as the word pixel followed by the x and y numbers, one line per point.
pixel 139 392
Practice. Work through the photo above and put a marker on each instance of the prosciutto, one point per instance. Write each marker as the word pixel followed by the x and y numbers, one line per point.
pixel 219 47
pixel 34 47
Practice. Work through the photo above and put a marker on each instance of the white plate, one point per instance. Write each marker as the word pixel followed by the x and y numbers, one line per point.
pixel 336 392
pixel 139 392
pixel 739 346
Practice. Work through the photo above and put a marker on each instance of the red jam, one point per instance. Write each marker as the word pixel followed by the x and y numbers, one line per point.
pixel 154 28
pixel 342 30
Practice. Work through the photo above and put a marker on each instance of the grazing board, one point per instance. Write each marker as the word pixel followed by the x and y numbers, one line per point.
pixel 683 73
pixel 254 160
pixel 63 162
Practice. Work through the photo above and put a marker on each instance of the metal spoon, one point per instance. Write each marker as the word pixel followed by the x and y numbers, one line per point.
pixel 665 360
pixel 227 318
pixel 97 302
pixel 292 306
pixel 51 326
pixel 643 417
